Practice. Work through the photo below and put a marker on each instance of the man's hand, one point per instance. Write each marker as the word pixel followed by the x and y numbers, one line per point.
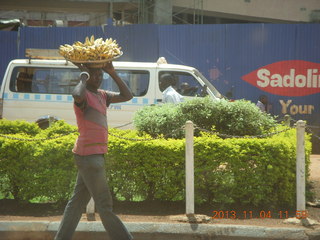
pixel 125 93
pixel 108 68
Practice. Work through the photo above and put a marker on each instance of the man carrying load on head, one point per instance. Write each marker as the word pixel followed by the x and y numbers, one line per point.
pixel 90 107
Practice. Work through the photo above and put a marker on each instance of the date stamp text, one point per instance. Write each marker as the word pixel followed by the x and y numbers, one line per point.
pixel 257 214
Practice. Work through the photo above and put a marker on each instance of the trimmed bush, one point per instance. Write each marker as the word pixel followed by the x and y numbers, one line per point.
pixel 37 169
pixel 164 119
pixel 146 170
pixel 238 118
pixel 18 126
pixel 256 172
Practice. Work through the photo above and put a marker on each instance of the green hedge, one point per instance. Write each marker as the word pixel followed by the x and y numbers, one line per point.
pixel 257 172
pixel 37 169
pixel 239 118
pixel 18 126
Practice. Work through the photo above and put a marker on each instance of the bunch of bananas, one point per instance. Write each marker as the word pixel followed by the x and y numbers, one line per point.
pixel 92 49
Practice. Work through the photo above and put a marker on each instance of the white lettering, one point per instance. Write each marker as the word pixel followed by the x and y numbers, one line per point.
pixel 288 80
pixel 300 81
pixel 303 109
pixel 314 78
pixel 309 75
pixel 285 106
pixel 310 80
pixel 295 109
pixel 263 75
pixel 276 80
pixel 310 109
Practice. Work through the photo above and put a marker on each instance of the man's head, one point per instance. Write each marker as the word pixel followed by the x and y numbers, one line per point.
pixel 263 99
pixel 96 77
pixel 166 80
pixel 185 87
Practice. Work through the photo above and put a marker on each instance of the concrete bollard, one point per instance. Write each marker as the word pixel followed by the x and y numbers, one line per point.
pixel 300 167
pixel 90 211
pixel 189 168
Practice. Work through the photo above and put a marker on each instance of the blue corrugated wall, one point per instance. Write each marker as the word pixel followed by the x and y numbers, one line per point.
pixel 53 37
pixel 224 53
pixel 139 42
pixel 8 49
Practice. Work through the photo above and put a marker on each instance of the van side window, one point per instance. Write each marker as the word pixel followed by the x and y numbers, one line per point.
pixel 184 83
pixel 44 80
pixel 137 81
pixel 24 81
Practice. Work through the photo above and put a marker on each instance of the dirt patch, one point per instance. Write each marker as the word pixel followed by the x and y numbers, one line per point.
pixel 129 212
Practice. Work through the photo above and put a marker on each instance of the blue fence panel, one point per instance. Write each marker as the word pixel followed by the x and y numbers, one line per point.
pixel 139 43
pixel 225 53
pixel 308 42
pixel 200 46
pixel 252 46
pixel 8 50
pixel 53 37
pixel 308 49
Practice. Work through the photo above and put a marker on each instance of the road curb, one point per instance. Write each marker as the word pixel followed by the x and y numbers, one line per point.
pixel 44 230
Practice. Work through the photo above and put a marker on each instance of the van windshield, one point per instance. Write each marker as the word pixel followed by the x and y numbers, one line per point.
pixel 216 93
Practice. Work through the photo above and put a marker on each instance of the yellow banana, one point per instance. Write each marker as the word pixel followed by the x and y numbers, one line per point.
pixel 87 41
pixel 92 40
pixel 91 49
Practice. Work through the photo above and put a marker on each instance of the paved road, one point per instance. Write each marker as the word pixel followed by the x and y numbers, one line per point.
pixel 14 230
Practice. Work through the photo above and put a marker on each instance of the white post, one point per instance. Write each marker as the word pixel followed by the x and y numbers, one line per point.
pixel 90 211
pixel 189 168
pixel 300 168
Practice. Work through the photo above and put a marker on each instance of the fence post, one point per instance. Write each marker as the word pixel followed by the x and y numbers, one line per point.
pixel 90 210
pixel 189 168
pixel 300 167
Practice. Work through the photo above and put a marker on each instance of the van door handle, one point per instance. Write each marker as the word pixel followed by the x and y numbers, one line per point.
pixel 159 100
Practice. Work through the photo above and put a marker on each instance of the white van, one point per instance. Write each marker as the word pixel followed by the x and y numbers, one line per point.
pixel 32 88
